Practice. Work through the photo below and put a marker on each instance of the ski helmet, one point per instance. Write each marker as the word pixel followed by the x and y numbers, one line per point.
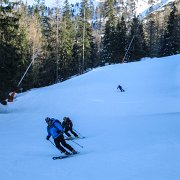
pixel 47 119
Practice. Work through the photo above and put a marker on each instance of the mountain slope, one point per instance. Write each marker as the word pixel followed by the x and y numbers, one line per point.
pixel 132 135
pixel 155 7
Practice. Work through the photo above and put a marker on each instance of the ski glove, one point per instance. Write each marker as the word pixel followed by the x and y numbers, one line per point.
pixel 47 137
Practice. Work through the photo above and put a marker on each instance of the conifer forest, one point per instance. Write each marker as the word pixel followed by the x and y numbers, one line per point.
pixel 40 45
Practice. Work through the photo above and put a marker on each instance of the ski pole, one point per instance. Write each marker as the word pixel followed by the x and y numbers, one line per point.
pixel 52 143
pixel 76 143
pixel 78 133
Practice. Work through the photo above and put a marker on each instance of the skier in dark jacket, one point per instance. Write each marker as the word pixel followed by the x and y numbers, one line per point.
pixel 67 125
pixel 55 130
pixel 120 88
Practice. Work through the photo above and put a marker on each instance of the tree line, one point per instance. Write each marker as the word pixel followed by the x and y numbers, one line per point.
pixel 59 44
pixel 128 40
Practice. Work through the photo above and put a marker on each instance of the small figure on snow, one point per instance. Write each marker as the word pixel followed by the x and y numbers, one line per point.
pixel 55 130
pixel 11 96
pixel 120 88
pixel 67 125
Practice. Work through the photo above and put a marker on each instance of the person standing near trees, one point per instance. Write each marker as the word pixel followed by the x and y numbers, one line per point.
pixel 11 96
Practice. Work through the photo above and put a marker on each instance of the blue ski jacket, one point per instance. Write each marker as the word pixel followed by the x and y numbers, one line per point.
pixel 55 129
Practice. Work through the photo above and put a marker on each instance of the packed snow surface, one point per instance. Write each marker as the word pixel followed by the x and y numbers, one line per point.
pixel 131 135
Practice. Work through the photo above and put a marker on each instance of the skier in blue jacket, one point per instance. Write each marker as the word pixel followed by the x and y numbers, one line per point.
pixel 55 130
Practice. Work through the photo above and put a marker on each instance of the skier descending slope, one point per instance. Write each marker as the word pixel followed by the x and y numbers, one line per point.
pixel 55 130
pixel 68 126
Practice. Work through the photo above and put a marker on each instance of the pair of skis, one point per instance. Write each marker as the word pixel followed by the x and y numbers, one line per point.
pixel 73 138
pixel 64 156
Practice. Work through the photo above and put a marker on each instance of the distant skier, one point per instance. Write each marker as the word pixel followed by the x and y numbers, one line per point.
pixel 55 130
pixel 120 88
pixel 67 125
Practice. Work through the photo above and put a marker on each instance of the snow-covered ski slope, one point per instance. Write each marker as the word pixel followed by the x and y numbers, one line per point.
pixel 134 135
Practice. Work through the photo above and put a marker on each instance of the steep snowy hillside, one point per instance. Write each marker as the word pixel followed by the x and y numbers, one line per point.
pixel 154 7
pixel 131 135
